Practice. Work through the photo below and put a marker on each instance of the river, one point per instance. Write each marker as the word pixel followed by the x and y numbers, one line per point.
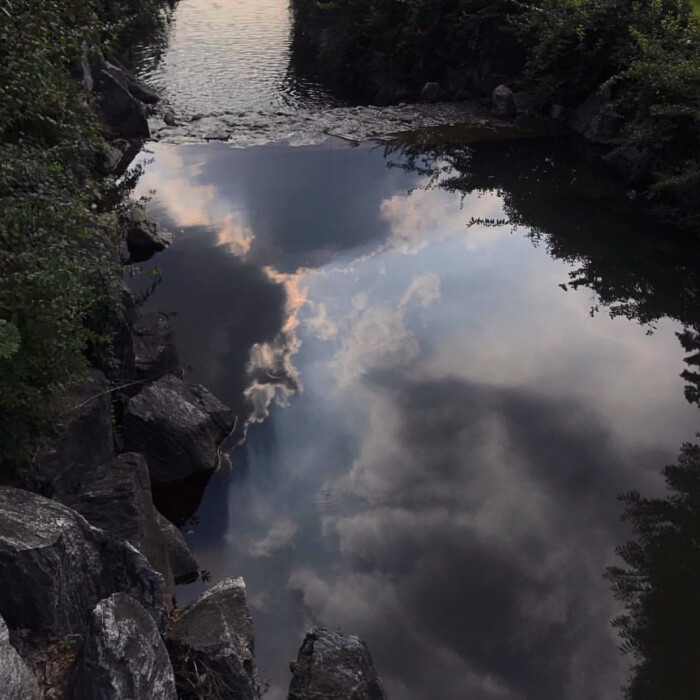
pixel 441 344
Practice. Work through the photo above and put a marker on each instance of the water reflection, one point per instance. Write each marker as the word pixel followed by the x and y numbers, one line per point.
pixel 456 425
pixel 229 55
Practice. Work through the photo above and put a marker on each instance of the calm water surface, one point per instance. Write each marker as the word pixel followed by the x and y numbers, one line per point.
pixel 438 426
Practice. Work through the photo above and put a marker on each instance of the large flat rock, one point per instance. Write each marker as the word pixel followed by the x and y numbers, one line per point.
pixel 123 656
pixel 55 567
pixel 334 666
pixel 178 427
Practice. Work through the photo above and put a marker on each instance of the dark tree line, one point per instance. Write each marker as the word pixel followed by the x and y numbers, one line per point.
pixel 659 585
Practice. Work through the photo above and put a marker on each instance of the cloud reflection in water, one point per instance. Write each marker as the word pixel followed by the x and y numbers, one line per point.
pixel 445 484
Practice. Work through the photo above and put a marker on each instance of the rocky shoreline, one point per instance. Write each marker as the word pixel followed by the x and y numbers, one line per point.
pixel 88 564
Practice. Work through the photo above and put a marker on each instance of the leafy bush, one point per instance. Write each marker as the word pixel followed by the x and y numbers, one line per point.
pixel 370 43
pixel 646 51
pixel 57 261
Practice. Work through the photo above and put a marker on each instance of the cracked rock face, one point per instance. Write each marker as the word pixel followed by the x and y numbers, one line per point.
pixel 215 636
pixel 86 437
pixel 182 562
pixel 55 567
pixel 123 656
pixel 334 666
pixel 178 427
pixel 154 346
pixel 116 497
pixel 17 682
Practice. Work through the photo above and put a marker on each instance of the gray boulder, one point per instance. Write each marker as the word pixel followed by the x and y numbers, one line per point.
pixel 154 346
pixel 214 635
pixel 334 666
pixel 595 118
pixel 143 236
pixel 183 564
pixel 116 497
pixel 130 82
pixel 169 118
pixel 55 567
pixel 178 427
pixel 119 109
pixel 503 102
pixel 85 437
pixel 108 158
pixel 17 682
pixel 430 92
pixel 123 656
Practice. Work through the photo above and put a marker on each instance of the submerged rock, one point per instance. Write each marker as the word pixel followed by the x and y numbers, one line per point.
pixel 17 682
pixel 123 656
pixel 178 427
pixel 143 237
pixel 214 636
pixel 116 497
pixel 85 438
pixel 503 102
pixel 55 567
pixel 154 346
pixel 334 666
pixel 182 562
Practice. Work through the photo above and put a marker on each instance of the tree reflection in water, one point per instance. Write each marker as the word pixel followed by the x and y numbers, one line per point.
pixel 642 271
pixel 638 269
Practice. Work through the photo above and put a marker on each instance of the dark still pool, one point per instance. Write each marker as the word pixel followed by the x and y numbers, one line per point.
pixel 443 364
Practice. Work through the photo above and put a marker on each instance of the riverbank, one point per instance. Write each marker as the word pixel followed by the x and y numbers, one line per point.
pixel 622 77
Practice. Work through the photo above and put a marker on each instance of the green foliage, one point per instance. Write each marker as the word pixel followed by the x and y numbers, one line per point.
pixel 646 51
pixel 372 43
pixel 659 585
pixel 58 267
